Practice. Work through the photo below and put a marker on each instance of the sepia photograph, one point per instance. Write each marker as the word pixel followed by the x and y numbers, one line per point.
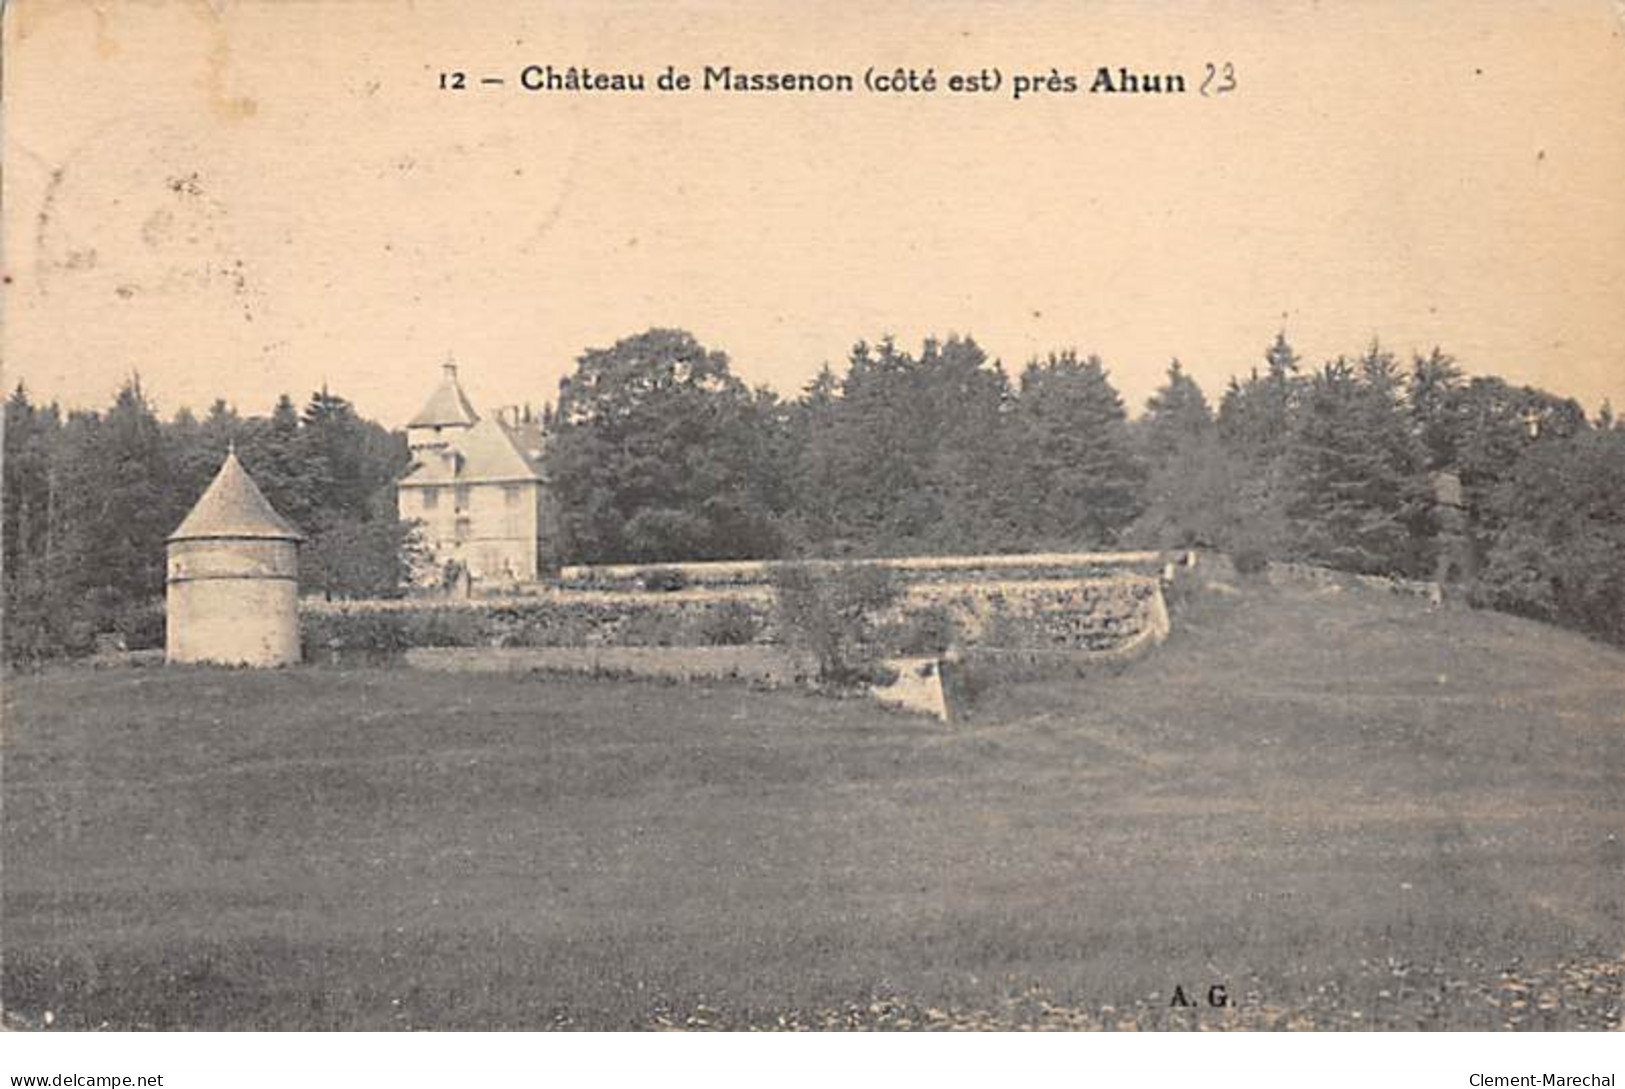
pixel 716 516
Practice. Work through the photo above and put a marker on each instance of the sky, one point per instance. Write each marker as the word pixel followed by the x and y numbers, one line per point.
pixel 240 199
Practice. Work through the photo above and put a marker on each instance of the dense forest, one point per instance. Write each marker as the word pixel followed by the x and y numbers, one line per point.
pixel 658 452
pixel 89 498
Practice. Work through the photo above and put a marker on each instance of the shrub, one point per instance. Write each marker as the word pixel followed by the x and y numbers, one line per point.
pixel 1180 593
pixel 452 573
pixel 928 630
pixel 651 628
pixel 1250 561
pixel 366 633
pixel 33 630
pixel 832 615
pixel 1558 551
pixel 538 623
pixel 447 628
pixel 141 624
pixel 730 624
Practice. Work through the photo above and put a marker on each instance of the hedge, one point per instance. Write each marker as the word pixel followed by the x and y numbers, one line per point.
pixel 543 623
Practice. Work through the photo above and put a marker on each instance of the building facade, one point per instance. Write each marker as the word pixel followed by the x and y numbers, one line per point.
pixel 476 488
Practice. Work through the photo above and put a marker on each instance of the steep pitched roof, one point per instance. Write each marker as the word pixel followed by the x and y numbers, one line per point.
pixel 527 436
pixel 448 406
pixel 484 454
pixel 489 453
pixel 232 506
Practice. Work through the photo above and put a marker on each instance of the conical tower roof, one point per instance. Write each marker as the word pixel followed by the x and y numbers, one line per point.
pixel 232 506
pixel 448 406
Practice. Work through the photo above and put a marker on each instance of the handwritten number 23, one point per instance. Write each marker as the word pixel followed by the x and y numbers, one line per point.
pixel 1220 80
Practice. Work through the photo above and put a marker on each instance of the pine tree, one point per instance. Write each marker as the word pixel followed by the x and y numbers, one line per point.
pixel 1435 406
pixel 1256 416
pixel 1083 478
pixel 963 399
pixel 1358 493
pixel 814 476
pixel 294 477
pixel 881 453
pixel 332 437
pixel 115 511
pixel 32 605
pixel 30 435
pixel 1176 415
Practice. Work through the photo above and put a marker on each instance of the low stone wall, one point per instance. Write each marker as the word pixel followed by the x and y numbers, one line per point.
pixel 998 629
pixel 1067 629
pixel 994 567
pixel 917 685
pixel 969 671
pixel 1304 574
pixel 772 666
pixel 1088 614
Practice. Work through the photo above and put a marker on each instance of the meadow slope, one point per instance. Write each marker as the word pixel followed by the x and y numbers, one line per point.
pixel 1343 808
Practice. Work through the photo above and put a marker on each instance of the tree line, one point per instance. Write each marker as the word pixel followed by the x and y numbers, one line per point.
pixel 90 497
pixel 657 452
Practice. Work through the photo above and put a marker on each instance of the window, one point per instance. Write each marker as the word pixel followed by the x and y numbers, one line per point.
pixel 510 494
pixel 463 529
pixel 462 491
pixel 431 498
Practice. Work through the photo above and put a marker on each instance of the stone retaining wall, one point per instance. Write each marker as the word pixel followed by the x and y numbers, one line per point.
pixel 1301 574
pixel 1010 618
pixel 1090 614
pixel 1003 567
pixel 1093 614
pixel 773 666
pixel 1056 628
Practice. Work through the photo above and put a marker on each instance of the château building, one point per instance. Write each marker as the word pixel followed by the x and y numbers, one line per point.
pixel 476 487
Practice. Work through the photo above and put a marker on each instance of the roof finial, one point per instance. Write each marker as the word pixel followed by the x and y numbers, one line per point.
pixel 450 366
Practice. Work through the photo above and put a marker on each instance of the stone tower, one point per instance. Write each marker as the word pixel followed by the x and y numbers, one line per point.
pixel 233 584
pixel 447 414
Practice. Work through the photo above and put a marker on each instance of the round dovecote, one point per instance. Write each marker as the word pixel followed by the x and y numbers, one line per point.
pixel 233 583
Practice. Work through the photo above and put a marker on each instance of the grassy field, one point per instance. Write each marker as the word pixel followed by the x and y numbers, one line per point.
pixel 1346 810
